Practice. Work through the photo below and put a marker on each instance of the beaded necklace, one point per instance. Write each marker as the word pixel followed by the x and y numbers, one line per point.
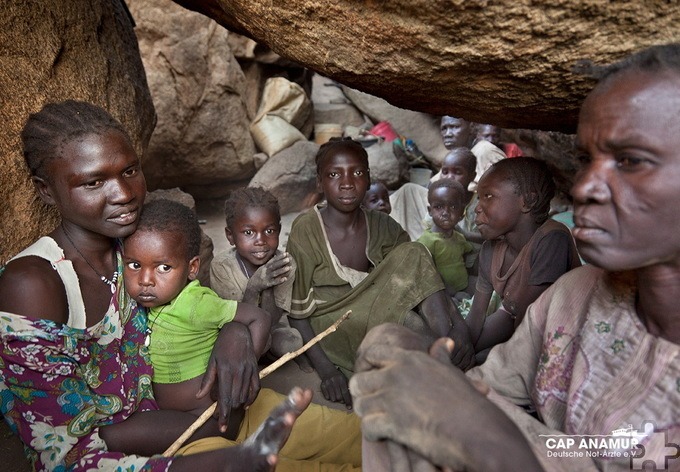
pixel 110 282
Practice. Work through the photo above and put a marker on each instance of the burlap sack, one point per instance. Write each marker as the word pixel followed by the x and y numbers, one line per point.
pixel 284 111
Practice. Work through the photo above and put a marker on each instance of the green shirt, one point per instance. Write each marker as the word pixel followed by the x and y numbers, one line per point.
pixel 184 331
pixel 448 257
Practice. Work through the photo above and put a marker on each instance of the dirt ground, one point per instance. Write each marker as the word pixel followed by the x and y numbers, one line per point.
pixel 289 375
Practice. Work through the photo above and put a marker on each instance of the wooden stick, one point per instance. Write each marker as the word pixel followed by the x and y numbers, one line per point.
pixel 169 452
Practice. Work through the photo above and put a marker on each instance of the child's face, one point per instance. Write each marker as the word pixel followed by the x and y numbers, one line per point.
pixel 156 267
pixel 500 208
pixel 445 208
pixel 343 178
pixel 455 167
pixel 256 236
pixel 97 185
pixel 455 132
pixel 378 198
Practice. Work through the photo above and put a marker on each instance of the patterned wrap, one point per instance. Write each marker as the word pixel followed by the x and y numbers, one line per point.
pixel 59 383
pixel 584 359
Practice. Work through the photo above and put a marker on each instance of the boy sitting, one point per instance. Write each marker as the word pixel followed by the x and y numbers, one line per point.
pixel 254 270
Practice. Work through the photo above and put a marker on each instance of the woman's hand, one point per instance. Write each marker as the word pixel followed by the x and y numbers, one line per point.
pixel 233 364
pixel 390 334
pixel 259 452
pixel 450 423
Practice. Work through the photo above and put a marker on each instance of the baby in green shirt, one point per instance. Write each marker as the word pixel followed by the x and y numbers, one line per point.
pixel 161 264
pixel 446 205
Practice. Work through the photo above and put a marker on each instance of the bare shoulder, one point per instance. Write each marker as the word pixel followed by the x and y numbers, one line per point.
pixel 29 286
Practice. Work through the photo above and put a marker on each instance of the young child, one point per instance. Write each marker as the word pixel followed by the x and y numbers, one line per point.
pixel 161 263
pixel 254 270
pixel 361 260
pixel 524 252
pixel 459 165
pixel 377 197
pixel 446 204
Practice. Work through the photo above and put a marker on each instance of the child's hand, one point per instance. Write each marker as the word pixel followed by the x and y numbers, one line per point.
pixel 274 272
pixel 335 387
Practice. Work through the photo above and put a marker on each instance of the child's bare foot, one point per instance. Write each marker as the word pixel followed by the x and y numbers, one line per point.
pixel 273 433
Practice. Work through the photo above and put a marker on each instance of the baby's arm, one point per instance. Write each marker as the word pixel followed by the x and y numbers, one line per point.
pixel 258 322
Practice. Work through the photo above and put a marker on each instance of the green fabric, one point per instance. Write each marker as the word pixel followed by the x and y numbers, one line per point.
pixel 448 257
pixel 184 331
pixel 403 276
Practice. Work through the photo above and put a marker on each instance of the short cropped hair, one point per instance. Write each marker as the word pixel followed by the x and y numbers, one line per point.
pixel 336 144
pixel 250 197
pixel 47 131
pixel 532 180
pixel 461 193
pixel 169 216
pixel 470 158
pixel 377 182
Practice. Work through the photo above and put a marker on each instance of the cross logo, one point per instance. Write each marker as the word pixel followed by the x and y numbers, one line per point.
pixel 665 451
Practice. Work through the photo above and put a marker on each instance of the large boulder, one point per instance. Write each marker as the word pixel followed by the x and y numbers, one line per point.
pixel 387 163
pixel 504 62
pixel 198 89
pixel 422 128
pixel 53 51
pixel 291 176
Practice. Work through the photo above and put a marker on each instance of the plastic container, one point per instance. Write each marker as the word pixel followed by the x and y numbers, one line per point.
pixel 384 130
pixel 420 176
pixel 325 131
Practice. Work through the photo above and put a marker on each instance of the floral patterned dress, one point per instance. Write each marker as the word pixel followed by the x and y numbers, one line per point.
pixel 59 383
pixel 584 359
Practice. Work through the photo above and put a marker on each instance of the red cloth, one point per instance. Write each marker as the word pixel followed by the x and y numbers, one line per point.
pixel 512 150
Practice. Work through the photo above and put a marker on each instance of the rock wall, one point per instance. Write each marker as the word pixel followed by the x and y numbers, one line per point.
pixel 290 176
pixel 201 140
pixel 51 51
pixel 505 62
pixel 422 128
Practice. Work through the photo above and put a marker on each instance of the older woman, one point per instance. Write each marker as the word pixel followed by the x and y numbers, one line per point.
pixel 598 354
